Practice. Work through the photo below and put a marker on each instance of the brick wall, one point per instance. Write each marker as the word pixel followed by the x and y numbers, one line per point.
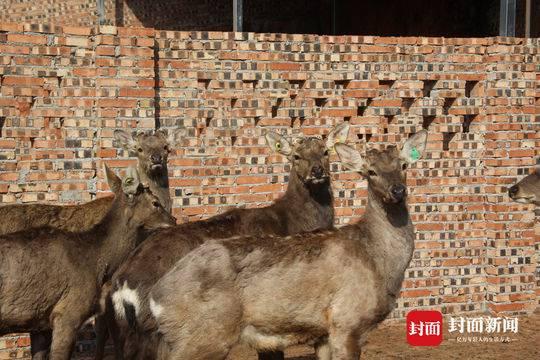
pixel 64 90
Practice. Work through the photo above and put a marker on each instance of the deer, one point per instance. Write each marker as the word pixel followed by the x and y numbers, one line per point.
pixel 50 279
pixel 307 205
pixel 152 150
pixel 527 191
pixel 327 289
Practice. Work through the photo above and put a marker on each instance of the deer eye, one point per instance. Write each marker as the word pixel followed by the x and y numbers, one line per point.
pixel 155 203
pixel 404 166
pixel 296 157
pixel 166 148
pixel 326 153
pixel 139 150
pixel 372 173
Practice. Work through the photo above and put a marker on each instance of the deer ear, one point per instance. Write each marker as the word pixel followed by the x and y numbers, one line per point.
pixel 414 147
pixel 131 182
pixel 278 143
pixel 350 157
pixel 338 135
pixel 115 183
pixel 125 139
pixel 172 137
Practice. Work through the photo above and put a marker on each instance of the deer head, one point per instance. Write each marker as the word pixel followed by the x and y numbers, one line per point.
pixel 152 148
pixel 138 203
pixel 385 170
pixel 527 191
pixel 309 156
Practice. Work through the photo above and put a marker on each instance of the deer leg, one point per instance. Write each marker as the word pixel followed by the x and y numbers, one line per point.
pixel 323 350
pixel 344 346
pixel 67 317
pixel 63 337
pixel 271 355
pixel 40 344
pixel 102 334
pixel 114 330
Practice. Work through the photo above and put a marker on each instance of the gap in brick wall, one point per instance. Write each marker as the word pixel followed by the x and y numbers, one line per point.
pixel 386 84
pixel 467 120
pixel 2 122
pixel 208 122
pixel 274 110
pixel 320 102
pixel 428 86
pixel 406 103
pixel 367 137
pixel 341 84
pixel 233 140
pixel 347 119
pixel 233 102
pixel 362 108
pixel 448 102
pixel 470 88
pixel 447 138
pixel 204 83
pixel 297 84
pixel 427 120
pixel 256 120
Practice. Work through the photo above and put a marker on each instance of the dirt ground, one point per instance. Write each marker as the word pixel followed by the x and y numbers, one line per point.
pixel 389 342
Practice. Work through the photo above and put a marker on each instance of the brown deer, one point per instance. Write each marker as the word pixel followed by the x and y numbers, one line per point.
pixel 326 288
pixel 527 191
pixel 152 151
pixel 50 278
pixel 307 205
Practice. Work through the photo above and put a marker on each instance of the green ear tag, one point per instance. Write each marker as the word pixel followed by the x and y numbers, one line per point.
pixel 415 155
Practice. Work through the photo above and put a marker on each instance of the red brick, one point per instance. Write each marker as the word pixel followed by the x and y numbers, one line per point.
pixel 23 80
pixel 32 39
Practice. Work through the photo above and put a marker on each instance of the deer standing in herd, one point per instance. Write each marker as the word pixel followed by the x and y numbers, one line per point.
pixel 307 205
pixel 152 149
pixel 326 288
pixel 50 279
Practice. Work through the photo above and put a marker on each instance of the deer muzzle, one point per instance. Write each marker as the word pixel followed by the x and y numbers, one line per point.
pixel 398 192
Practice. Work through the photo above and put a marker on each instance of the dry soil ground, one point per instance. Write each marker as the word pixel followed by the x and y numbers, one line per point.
pixel 389 342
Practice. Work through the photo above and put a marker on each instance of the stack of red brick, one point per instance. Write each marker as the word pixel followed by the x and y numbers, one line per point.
pixel 64 90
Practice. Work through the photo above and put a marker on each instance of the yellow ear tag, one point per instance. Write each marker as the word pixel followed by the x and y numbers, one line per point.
pixel 278 146
pixel 128 181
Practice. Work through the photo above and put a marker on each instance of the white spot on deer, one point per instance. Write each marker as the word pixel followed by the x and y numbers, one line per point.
pixel 125 295
pixel 155 308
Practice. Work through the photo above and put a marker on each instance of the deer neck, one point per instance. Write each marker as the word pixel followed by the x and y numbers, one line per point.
pixel 391 239
pixel 118 235
pixel 311 202
pixel 159 184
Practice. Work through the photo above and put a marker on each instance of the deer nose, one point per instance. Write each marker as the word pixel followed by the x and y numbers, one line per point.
pixel 513 190
pixel 398 191
pixel 317 171
pixel 155 158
